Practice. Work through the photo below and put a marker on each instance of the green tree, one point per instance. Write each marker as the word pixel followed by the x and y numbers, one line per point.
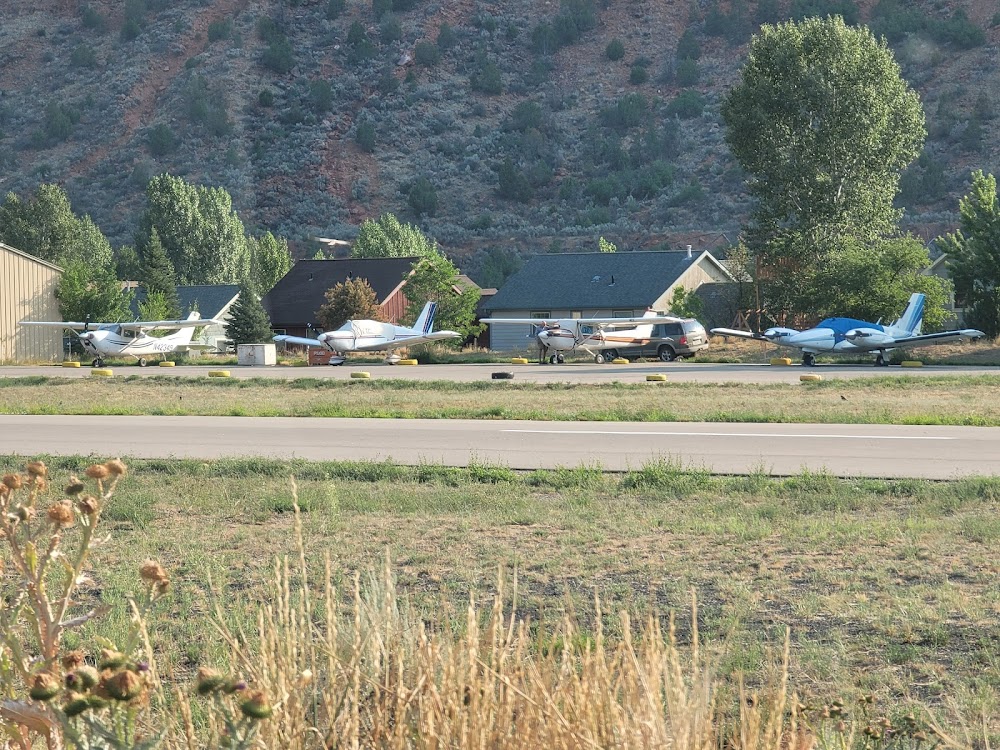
pixel 606 247
pixel 435 279
pixel 684 303
pixel 353 299
pixel 204 238
pixel 974 254
pixel 269 261
pixel 44 225
pixel 388 238
pixel 158 278
pixel 90 292
pixel 823 123
pixel 872 281
pixel 248 321
pixel 156 307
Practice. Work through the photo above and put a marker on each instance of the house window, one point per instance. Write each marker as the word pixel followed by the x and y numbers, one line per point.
pixel 576 314
pixel 540 314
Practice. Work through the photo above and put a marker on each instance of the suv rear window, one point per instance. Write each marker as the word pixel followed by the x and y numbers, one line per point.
pixel 667 329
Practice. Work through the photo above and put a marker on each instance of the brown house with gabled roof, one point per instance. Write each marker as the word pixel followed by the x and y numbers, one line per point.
pixel 294 300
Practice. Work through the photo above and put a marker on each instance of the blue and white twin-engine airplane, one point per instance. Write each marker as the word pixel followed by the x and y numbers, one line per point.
pixel 850 336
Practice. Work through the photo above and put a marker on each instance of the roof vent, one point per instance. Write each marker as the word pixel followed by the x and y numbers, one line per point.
pixel 689 251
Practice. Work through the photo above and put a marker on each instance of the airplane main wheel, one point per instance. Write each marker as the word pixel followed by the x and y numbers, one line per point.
pixel 809 360
pixel 552 359
pixel 560 358
pixel 880 361
pixel 142 362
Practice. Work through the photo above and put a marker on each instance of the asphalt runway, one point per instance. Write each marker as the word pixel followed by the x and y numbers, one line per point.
pixel 843 450
pixel 691 371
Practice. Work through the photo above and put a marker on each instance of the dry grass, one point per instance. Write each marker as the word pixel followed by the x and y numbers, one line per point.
pixel 888 587
pixel 971 400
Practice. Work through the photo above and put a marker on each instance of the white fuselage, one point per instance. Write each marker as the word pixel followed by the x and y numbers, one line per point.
pixel 841 335
pixel 365 334
pixel 566 335
pixel 109 342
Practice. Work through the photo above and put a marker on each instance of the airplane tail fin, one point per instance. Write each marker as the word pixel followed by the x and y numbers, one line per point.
pixel 425 323
pixel 913 316
pixel 185 335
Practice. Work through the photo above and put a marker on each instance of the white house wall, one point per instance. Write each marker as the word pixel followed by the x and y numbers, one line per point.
pixel 702 272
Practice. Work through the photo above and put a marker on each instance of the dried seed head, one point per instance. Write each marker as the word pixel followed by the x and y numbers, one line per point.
pixel 44 686
pixel 36 469
pixel 88 505
pixel 76 705
pixel 72 659
pixel 111 659
pixel 208 681
pixel 154 574
pixel 12 481
pixel 61 514
pixel 25 512
pixel 256 705
pixel 116 467
pixel 124 685
pixel 88 676
pixel 75 487
pixel 97 471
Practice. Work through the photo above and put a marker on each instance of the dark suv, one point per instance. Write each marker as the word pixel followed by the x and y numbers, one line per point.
pixel 668 341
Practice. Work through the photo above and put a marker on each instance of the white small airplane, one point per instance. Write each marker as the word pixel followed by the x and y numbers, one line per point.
pixel 566 334
pixel 850 336
pixel 130 339
pixel 375 336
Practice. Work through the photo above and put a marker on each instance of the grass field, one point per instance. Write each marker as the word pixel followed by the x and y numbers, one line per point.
pixel 888 586
pixel 952 400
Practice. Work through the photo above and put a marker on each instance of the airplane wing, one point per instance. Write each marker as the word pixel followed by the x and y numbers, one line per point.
pixel 149 325
pixel 586 321
pixel 411 341
pixel 943 337
pixel 67 324
pixel 298 340
pixel 739 334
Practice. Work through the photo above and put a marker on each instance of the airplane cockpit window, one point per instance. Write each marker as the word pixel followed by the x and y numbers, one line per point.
pixel 587 330
pixel 117 330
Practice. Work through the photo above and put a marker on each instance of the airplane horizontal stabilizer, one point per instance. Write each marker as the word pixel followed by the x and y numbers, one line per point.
pixel 740 334
pixel 943 337
pixel 298 340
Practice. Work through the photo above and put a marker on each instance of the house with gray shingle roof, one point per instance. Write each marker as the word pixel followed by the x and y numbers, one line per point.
pixel 596 285
pixel 210 300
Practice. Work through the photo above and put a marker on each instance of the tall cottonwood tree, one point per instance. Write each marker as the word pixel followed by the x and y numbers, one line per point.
pixel 974 254
pixel 823 123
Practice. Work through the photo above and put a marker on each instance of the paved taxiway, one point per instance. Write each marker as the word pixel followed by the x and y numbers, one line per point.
pixel 845 450
pixel 533 373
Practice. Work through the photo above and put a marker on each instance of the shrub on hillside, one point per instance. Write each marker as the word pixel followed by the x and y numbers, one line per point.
pixel 83 56
pixel 390 29
pixel 422 197
pixel 487 80
pixel 615 50
pixel 627 112
pixel 427 54
pixel 161 140
pixel 638 75
pixel 279 56
pixel 688 47
pixel 334 9
pixel 686 105
pixel 446 38
pixel 686 73
pixel 365 136
pixel 513 183
pixel 218 30
pixel 92 19
pixel 525 116
pixel 320 97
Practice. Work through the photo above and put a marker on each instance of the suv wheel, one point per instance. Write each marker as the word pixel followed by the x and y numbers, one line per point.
pixel 666 354
pixel 610 354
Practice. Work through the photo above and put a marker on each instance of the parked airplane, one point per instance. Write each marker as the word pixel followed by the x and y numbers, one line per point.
pixel 850 336
pixel 567 334
pixel 130 339
pixel 375 336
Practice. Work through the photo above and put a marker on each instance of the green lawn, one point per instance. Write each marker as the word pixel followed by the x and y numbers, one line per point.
pixel 888 586
pixel 955 400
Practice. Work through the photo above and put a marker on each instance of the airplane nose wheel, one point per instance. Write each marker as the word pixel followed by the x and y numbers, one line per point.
pixel 97 363
pixel 142 362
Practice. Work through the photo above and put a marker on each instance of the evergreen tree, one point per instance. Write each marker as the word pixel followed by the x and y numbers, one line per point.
pixel 248 322
pixel 353 299
pixel 158 277
pixel 974 254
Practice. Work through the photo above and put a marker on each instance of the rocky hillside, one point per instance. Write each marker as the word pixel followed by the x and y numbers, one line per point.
pixel 493 123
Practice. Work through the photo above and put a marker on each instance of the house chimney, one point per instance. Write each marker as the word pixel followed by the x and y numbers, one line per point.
pixel 689 251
